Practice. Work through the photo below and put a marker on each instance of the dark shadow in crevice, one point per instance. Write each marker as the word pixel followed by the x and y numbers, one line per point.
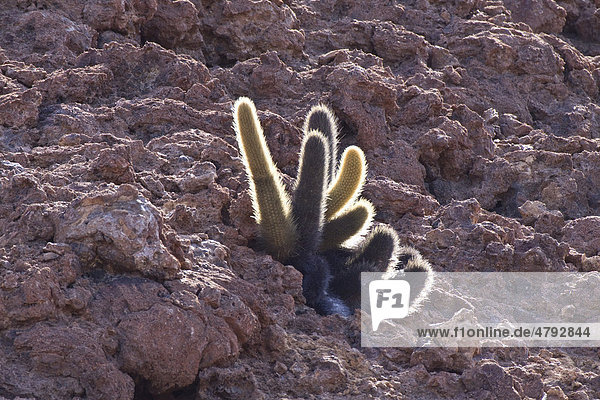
pixel 225 216
pixel 506 204
pixel 142 392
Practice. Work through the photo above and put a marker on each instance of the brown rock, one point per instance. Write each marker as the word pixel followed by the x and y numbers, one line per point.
pixel 587 25
pixel 44 38
pixel 72 352
pixel 393 43
pixel 132 230
pixel 113 166
pixel 422 106
pixel 197 177
pixel 488 378
pixel 163 345
pixel 489 242
pixel 530 383
pixel 362 98
pixel 510 50
pixel 398 198
pixel 119 16
pixel 200 211
pixel 22 73
pixel 239 30
pixel 29 296
pixel 446 384
pixel 511 126
pixel 20 109
pixel 540 15
pixel 581 235
pixel 139 71
pixel 173 24
pixel 329 375
pixel 235 383
pixel 81 85
pixel 443 359
pixel 535 213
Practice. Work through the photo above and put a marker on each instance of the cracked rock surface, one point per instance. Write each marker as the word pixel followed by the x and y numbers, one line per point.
pixel 128 264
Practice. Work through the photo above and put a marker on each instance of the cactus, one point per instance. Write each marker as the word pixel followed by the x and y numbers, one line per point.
pixel 318 230
pixel 321 119
pixel 410 260
pixel 309 193
pixel 270 201
pixel 348 182
pixel 352 222
pixel 380 247
pixel 308 205
pixel 380 251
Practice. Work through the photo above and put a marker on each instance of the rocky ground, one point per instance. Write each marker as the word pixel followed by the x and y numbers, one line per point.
pixel 127 267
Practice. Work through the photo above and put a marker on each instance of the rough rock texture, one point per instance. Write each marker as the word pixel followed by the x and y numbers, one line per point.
pixel 128 264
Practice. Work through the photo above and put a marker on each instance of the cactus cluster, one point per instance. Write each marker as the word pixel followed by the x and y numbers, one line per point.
pixel 320 229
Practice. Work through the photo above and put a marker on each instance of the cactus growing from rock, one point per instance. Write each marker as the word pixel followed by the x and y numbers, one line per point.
pixel 312 231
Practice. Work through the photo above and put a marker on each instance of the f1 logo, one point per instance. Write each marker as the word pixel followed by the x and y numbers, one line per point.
pixel 388 299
